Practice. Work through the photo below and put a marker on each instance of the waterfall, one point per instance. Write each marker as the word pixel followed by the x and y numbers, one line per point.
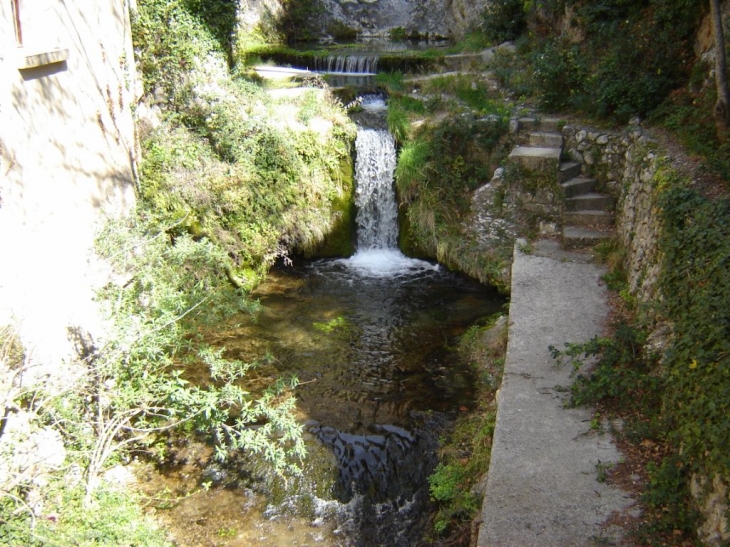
pixel 377 211
pixel 347 64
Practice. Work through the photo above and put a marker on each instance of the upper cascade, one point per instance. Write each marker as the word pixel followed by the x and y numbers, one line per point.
pixel 347 64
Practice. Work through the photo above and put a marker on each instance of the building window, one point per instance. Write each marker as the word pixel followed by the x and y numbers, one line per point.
pixel 16 20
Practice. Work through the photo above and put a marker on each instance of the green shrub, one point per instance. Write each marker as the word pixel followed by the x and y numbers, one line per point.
pixel 623 374
pixel 504 20
pixel 633 55
pixel 559 73
pixel 170 41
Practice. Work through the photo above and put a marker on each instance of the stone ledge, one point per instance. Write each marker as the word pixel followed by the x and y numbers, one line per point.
pixel 40 57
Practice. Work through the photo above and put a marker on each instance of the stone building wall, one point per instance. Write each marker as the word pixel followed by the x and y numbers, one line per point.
pixel 67 161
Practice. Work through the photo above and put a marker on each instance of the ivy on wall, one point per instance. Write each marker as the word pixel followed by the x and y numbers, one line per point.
pixel 695 284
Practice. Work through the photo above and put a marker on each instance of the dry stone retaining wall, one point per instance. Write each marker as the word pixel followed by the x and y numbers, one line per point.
pixel 629 165
pixel 625 165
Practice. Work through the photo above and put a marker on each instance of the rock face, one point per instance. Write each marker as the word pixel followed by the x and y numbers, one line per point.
pixel 435 19
pixel 432 18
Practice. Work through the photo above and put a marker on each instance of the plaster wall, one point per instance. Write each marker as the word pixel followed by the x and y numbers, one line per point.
pixel 67 157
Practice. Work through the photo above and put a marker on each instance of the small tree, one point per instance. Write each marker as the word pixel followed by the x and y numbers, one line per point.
pixel 722 106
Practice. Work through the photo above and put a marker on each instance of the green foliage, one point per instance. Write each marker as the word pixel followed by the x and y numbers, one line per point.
pixel 295 22
pixel 514 71
pixel 390 81
pixel 474 41
pixel 669 501
pixel 398 34
pixel 633 55
pixel 464 454
pixel 464 462
pixel 171 39
pixel 504 20
pixel 410 171
pixel 687 114
pixel 622 374
pixel 696 287
pixel 115 520
pixel 560 73
pixel 471 92
pixel 449 178
pixel 249 185
pixel 168 294
pixel 340 31
pixel 398 122
pixel 407 103
pixel 436 174
pixel 446 482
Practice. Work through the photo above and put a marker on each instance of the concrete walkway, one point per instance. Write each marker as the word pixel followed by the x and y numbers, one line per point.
pixel 542 489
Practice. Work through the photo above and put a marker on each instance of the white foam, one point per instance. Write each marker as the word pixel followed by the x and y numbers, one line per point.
pixel 373 103
pixel 386 263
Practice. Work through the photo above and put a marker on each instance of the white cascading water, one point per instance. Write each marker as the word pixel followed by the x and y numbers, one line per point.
pixel 347 64
pixel 377 210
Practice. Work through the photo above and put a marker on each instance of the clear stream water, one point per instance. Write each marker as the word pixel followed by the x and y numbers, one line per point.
pixel 371 339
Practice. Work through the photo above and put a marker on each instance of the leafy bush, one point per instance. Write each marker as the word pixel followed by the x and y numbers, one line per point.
pixel 171 41
pixel 559 73
pixel 633 55
pixel 504 20
pixel 622 373
pixel 136 384
pixel 166 295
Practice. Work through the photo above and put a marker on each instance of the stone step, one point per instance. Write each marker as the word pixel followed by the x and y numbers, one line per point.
pixel 591 201
pixel 549 124
pixel 536 157
pixel 587 218
pixel 545 139
pixel 576 237
pixel 528 122
pixel 578 186
pixel 569 170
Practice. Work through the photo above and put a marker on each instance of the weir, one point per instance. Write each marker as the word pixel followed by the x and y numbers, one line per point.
pixel 347 64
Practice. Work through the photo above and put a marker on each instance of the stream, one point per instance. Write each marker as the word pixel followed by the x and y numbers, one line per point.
pixel 372 340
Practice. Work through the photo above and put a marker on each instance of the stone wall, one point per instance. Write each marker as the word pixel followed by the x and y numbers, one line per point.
pixel 630 165
pixel 67 157
pixel 625 165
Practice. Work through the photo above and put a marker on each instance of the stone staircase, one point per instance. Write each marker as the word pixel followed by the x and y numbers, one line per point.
pixel 587 215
